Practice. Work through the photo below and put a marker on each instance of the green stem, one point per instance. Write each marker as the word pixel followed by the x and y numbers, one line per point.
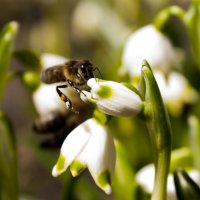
pixel 192 22
pixel 101 117
pixel 160 131
pixel 194 130
pixel 162 169
pixel 166 14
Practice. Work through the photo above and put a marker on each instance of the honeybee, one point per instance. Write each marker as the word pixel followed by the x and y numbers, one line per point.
pixel 75 73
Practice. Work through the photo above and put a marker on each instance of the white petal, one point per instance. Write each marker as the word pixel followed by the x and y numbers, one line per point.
pixel 172 88
pixel 73 145
pixel 49 60
pixel 150 44
pixel 99 155
pixel 118 99
pixel 46 99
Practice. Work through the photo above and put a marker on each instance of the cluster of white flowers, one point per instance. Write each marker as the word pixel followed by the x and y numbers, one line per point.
pixel 150 44
pixel 90 145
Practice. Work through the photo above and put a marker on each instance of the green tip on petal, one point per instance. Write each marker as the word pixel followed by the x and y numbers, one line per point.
pixel 104 92
pixel 60 166
pixel 77 167
pixel 104 181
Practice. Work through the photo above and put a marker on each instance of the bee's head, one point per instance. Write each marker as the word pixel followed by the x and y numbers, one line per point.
pixel 86 69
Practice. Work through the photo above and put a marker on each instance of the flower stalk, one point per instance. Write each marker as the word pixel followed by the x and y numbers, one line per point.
pixel 166 14
pixel 159 128
pixel 194 130
pixel 192 21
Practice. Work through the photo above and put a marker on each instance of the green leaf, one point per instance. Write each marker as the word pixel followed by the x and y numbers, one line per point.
pixel 6 40
pixel 8 161
pixel 28 58
pixel 159 128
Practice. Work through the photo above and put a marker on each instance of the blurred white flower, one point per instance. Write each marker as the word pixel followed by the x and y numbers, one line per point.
pixel 145 178
pixel 49 60
pixel 113 98
pixel 88 146
pixel 45 98
pixel 149 44
pixel 91 19
pixel 175 90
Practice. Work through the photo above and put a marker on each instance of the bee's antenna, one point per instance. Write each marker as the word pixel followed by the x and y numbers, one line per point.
pixel 96 68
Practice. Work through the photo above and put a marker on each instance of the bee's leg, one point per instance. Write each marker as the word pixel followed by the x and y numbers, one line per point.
pixel 64 98
pixel 75 88
pixel 72 85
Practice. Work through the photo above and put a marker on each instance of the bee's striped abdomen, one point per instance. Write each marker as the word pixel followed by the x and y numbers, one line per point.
pixel 53 75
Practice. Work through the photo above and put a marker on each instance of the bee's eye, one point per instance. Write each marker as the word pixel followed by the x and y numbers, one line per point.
pixel 83 69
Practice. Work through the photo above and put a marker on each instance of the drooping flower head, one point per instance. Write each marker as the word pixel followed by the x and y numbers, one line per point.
pixel 176 91
pixel 150 44
pixel 113 98
pixel 91 146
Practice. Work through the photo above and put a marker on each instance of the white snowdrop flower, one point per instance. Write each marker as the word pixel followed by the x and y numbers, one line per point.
pixel 145 178
pixel 90 146
pixel 175 90
pixel 45 98
pixel 49 60
pixel 113 98
pixel 149 44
